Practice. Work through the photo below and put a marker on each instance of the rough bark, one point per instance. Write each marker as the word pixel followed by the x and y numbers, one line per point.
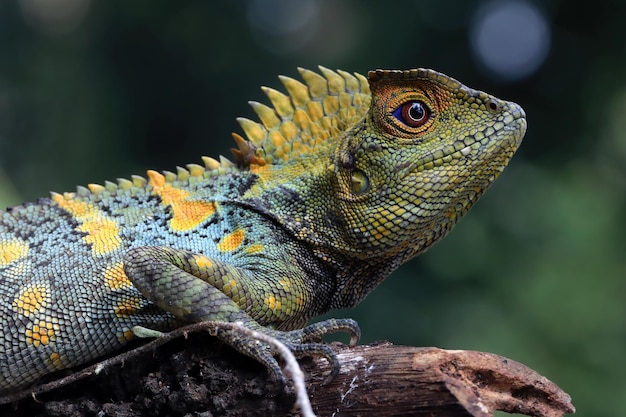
pixel 198 376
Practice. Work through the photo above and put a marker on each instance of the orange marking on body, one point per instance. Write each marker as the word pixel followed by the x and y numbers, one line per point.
pixel 254 248
pixel 47 331
pixel 102 234
pixel 42 333
pixel 126 336
pixel 266 174
pixel 229 287
pixel 170 195
pixel 102 231
pixel 30 300
pixel 12 251
pixel 231 241
pixel 115 277
pixel 56 360
pixel 203 262
pixel 127 307
pixel 29 337
pixel 186 214
pixel 273 303
pixel 260 169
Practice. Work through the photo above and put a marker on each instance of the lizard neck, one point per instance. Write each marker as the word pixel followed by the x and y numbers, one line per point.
pixel 299 196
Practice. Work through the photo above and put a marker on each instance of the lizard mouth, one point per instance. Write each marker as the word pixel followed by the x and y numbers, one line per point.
pixel 504 137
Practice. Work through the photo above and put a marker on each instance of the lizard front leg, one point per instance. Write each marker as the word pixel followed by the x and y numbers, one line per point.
pixel 196 288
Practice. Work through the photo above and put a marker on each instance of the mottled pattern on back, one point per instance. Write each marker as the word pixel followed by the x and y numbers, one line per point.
pixel 62 271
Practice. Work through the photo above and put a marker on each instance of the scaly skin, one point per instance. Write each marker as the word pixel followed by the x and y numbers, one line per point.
pixel 342 181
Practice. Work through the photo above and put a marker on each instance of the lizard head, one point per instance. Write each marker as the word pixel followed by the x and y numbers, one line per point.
pixel 375 168
pixel 424 153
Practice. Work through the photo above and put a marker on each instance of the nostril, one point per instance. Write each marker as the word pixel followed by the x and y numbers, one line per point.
pixel 515 110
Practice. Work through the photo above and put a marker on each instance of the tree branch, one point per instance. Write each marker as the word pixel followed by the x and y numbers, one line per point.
pixel 197 374
pixel 385 380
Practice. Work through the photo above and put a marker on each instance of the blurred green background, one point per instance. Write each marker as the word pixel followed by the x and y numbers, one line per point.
pixel 98 89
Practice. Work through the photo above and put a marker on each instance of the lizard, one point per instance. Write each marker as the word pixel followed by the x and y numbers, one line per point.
pixel 343 178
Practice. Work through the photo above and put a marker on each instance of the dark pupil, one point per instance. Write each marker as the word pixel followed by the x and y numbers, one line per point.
pixel 412 113
pixel 416 111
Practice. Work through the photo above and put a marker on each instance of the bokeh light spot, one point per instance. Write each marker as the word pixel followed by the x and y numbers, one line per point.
pixel 282 26
pixel 54 17
pixel 510 39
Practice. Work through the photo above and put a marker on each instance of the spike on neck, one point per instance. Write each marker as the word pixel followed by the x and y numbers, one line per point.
pixel 306 120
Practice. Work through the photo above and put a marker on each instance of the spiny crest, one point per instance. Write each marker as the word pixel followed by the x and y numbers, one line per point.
pixel 298 124
pixel 301 122
pixel 192 172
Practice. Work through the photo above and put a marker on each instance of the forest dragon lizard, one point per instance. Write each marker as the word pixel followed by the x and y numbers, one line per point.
pixel 344 179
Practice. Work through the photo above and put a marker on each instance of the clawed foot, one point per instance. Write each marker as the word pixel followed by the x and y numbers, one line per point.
pixel 301 342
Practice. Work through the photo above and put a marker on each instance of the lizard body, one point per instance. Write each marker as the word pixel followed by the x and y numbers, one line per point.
pixel 344 179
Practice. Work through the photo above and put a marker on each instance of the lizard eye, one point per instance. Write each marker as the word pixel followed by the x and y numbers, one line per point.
pixel 412 113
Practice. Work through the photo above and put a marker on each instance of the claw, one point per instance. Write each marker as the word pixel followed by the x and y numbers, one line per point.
pixel 267 359
pixel 313 334
pixel 319 349
pixel 258 351
pixel 315 331
pixel 302 342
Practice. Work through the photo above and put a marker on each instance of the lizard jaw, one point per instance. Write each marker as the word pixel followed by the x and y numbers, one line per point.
pixel 506 135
